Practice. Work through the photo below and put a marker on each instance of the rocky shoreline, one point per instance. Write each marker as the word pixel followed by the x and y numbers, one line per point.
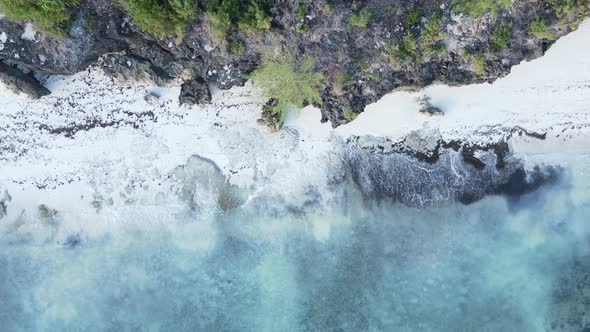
pixel 363 50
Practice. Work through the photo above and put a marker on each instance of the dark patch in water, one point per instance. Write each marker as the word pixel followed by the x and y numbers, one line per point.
pixel 72 241
pixel 457 175
pixel 520 182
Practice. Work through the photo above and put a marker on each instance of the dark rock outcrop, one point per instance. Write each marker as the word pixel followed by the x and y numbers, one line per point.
pixel 360 62
pixel 17 81
pixel 195 92
pixel 269 118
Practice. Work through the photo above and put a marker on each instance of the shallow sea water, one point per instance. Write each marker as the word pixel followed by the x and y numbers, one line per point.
pixel 342 263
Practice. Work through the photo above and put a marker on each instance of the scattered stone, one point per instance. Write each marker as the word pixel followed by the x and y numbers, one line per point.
pixel 195 92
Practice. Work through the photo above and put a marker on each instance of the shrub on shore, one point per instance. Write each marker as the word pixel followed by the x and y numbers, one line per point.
pixel 162 18
pixel 289 83
pixel 540 30
pixel 478 8
pixel 238 15
pixel 50 16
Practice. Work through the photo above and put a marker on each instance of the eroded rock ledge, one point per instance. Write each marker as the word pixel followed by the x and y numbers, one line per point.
pixel 364 49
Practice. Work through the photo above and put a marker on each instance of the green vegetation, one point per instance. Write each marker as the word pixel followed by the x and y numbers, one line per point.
pixel 571 11
pixel 433 36
pixel 341 80
pixel 243 15
pixel 302 10
pixel 500 37
pixel 89 22
pixel 373 76
pixel 413 47
pixel 327 10
pixel 236 48
pixel 363 64
pixel 478 62
pixel 360 20
pixel 540 30
pixel 162 18
pixel 302 27
pixel 350 115
pixel 412 17
pixel 478 8
pixel 51 16
pixel 290 83
pixel 406 50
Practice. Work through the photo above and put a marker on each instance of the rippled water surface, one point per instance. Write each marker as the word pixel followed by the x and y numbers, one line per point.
pixel 337 263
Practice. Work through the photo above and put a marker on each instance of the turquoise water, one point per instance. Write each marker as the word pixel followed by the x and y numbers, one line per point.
pixel 346 263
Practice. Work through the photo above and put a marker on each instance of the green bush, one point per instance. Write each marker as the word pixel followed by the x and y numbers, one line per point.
pixel 47 15
pixel 412 17
pixel 290 83
pixel 360 20
pixel 341 80
pixel 406 50
pixel 478 8
pixel 477 61
pixel 162 18
pixel 327 10
pixel 500 37
pixel 479 65
pixel 540 30
pixel 302 10
pixel 433 36
pixel 349 114
pixel 572 11
pixel 236 48
pixel 244 15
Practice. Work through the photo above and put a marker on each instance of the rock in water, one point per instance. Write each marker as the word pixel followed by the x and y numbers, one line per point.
pixel 426 107
pixel 18 81
pixel 2 210
pixel 195 92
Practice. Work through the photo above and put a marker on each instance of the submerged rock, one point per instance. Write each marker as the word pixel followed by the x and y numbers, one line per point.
pixel 46 213
pixel 427 108
pixel 2 210
pixel 204 187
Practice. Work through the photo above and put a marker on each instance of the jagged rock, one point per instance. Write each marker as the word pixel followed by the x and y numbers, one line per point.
pixel 269 118
pixel 152 98
pixel 426 107
pixel 18 81
pixel 124 67
pixel 359 64
pixel 195 92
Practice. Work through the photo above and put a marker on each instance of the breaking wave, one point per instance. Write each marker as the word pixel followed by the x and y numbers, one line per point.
pixel 384 243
